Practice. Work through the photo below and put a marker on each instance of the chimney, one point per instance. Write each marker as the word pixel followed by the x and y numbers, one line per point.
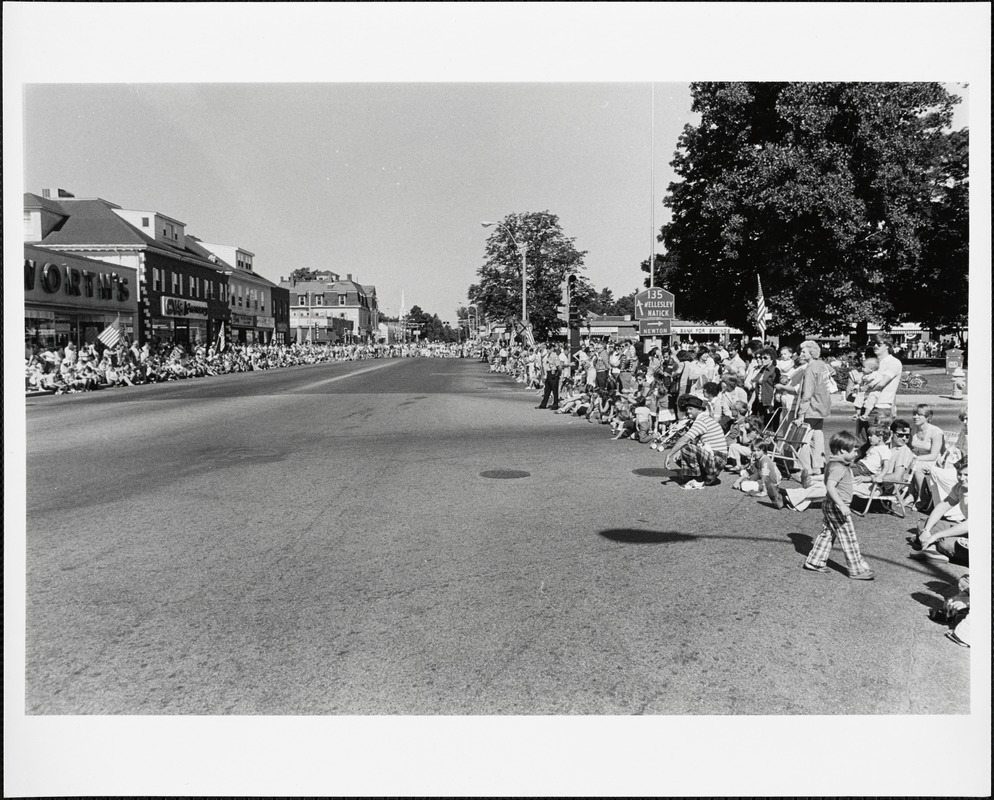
pixel 49 194
pixel 348 276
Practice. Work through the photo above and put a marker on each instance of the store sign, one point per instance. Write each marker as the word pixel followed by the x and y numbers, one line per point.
pixel 654 327
pixel 181 307
pixel 243 320
pixel 55 282
pixel 265 322
pixel 654 303
pixel 708 330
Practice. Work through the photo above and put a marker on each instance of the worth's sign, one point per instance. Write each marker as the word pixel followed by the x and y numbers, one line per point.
pixel 79 283
pixel 43 280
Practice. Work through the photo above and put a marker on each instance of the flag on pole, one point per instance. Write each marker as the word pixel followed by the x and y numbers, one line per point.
pixel 760 311
pixel 111 335
pixel 220 339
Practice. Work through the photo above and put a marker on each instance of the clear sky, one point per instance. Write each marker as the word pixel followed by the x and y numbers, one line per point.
pixel 386 181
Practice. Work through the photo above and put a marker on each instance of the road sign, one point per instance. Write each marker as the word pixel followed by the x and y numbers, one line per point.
pixel 655 303
pixel 654 327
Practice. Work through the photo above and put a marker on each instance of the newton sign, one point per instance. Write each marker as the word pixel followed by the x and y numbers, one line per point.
pixel 655 303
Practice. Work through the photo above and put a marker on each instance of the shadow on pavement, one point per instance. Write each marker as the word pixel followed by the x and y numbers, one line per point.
pixel 927 600
pixel 802 542
pixel 636 536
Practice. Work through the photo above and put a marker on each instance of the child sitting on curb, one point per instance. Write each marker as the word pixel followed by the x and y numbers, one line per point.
pixel 761 475
pixel 740 443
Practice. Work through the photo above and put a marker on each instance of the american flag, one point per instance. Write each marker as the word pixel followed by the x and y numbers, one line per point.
pixel 220 340
pixel 111 335
pixel 760 311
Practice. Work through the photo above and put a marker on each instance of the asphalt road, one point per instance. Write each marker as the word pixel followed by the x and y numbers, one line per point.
pixel 326 540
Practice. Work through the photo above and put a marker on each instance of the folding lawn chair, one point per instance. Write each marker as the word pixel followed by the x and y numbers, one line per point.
pixel 787 447
pixel 893 494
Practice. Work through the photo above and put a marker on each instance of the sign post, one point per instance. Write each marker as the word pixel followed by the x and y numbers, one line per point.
pixel 654 310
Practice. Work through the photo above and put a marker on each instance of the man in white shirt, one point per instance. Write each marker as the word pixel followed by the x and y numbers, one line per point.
pixel 888 378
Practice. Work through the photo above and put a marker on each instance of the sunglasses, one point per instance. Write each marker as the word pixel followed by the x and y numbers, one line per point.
pixel 902 433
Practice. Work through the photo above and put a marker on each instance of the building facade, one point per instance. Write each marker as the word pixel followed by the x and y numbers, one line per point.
pixel 68 298
pixel 326 308
pixel 182 296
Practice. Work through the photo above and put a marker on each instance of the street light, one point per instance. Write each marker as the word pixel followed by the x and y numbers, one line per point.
pixel 523 248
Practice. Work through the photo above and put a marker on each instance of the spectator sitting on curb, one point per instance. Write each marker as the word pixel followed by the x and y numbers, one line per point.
pixel 952 543
pixel 699 453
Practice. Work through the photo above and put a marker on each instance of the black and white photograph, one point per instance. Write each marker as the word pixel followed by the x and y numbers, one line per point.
pixel 497 399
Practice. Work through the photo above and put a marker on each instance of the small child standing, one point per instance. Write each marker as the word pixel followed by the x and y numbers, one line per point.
pixel 837 518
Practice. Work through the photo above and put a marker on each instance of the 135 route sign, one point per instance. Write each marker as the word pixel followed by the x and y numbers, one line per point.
pixel 654 303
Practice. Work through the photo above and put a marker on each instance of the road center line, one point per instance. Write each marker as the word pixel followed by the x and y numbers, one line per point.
pixel 343 377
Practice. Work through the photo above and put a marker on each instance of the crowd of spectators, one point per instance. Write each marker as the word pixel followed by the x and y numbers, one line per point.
pixel 92 366
pixel 717 407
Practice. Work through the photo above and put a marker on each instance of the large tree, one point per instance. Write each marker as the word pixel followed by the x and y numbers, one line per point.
pixel 551 257
pixel 848 199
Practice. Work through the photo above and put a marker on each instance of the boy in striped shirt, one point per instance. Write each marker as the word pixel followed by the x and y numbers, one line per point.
pixel 701 452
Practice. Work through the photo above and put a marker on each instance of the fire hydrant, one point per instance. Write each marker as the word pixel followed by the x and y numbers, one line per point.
pixel 959 383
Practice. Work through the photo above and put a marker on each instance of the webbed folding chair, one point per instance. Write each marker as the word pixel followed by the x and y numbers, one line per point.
pixel 895 494
pixel 788 446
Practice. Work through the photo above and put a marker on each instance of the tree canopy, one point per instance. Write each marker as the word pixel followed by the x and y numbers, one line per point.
pixel 551 256
pixel 849 200
pixel 303 274
pixel 430 326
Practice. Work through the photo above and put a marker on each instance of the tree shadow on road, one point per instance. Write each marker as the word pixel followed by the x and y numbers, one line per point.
pixel 636 536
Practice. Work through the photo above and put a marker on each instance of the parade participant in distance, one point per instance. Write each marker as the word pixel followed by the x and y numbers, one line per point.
pixel 701 452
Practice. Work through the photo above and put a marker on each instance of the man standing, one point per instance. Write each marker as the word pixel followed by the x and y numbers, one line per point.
pixel 551 365
pixel 814 401
pixel 888 374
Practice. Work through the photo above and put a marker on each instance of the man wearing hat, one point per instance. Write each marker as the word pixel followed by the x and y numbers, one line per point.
pixel 702 451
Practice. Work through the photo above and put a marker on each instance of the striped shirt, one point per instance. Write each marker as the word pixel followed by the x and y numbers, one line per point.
pixel 706 430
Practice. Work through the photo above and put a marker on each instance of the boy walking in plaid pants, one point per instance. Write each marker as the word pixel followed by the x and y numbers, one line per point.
pixel 838 522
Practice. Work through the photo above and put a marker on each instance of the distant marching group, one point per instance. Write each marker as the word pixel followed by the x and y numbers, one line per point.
pixel 760 415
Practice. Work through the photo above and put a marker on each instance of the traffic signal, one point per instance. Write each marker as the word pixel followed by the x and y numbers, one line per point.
pixel 564 301
pixel 573 317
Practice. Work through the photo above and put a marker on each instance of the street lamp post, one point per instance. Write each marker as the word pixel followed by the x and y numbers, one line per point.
pixel 523 249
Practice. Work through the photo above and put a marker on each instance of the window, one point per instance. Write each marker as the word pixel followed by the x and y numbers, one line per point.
pixel 157 279
pixel 319 299
pixel 174 282
pixel 341 299
pixel 144 222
